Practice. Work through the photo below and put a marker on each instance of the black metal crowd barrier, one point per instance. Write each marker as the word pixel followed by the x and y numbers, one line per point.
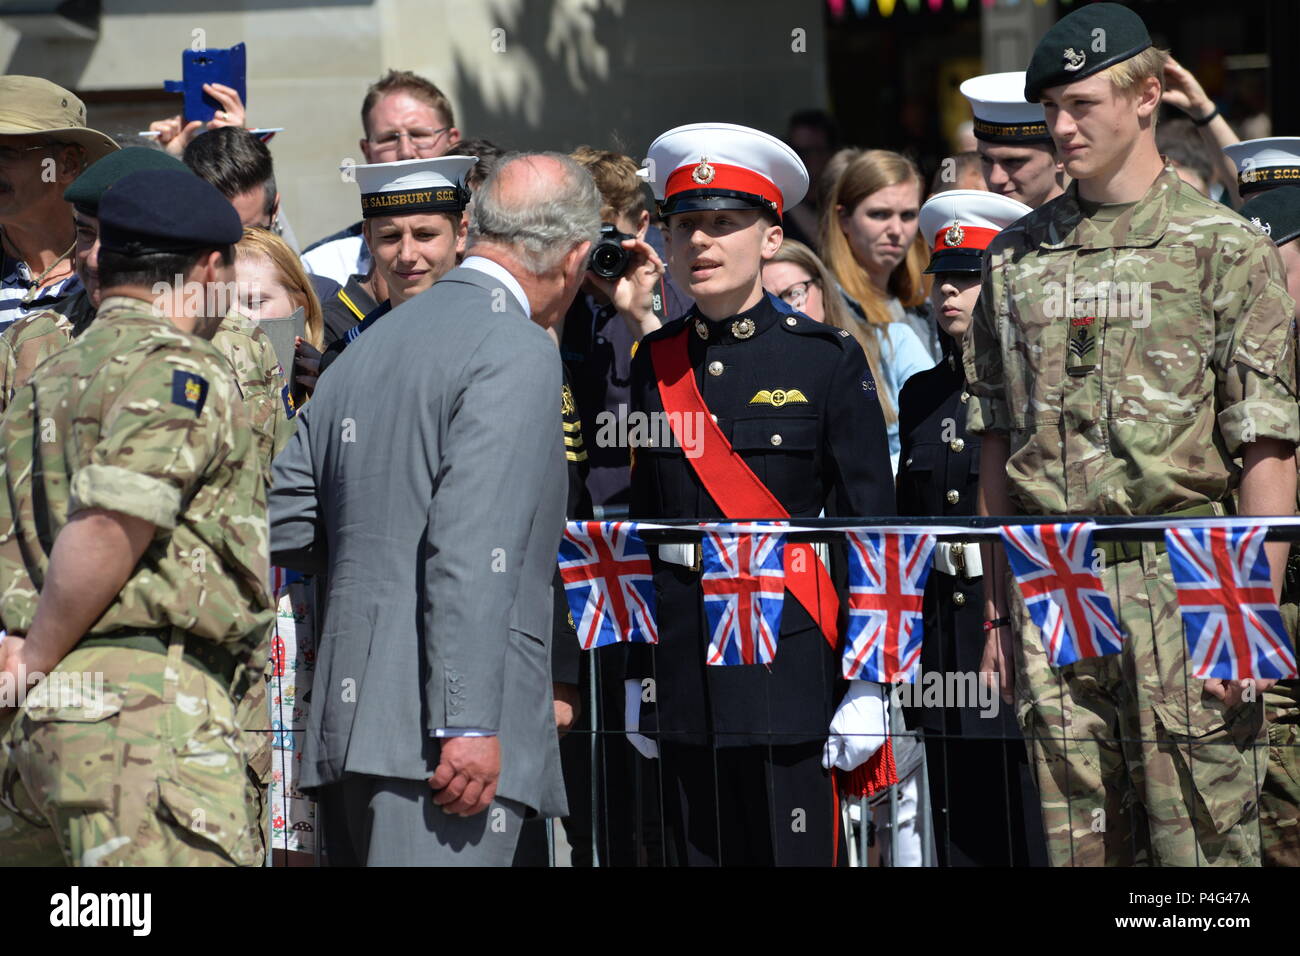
pixel 617 796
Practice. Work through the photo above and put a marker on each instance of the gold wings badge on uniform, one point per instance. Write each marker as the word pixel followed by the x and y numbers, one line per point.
pixel 778 397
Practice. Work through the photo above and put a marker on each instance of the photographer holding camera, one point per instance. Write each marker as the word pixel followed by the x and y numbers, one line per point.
pixel 622 299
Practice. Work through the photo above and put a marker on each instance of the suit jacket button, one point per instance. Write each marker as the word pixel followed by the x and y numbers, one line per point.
pixel 957 444
pixel 776 439
pixel 953 496
pixel 958 598
pixel 791 320
pixel 965 397
pixel 715 368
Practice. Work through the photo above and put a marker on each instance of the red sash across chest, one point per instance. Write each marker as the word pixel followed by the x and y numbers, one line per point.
pixel 733 485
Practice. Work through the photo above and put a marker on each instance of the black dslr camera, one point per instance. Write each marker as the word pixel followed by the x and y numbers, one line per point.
pixel 608 258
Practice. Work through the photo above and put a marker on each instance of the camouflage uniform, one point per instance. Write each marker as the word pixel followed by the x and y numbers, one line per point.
pixel 1279 799
pixel 139 418
pixel 1135 761
pixel 34 338
pixel 261 380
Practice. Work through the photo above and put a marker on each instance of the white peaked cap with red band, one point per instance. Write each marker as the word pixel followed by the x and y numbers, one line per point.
pixel 959 224
pixel 723 166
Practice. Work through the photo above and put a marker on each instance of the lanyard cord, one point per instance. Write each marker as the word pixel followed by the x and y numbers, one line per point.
pixel 36 283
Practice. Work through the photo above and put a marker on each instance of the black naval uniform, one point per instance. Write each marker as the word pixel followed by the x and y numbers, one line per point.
pixel 979 777
pixel 741 746
pixel 567 659
pixel 345 308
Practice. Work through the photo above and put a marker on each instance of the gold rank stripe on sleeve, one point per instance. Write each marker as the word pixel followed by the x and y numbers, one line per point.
pixel 575 455
pixel 352 306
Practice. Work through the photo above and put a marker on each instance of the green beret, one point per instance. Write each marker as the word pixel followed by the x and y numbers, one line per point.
pixel 1087 41
pixel 86 190
pixel 1275 213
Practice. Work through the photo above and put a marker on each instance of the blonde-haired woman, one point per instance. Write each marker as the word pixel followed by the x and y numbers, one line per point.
pixel 274 285
pixel 869 240
pixel 894 353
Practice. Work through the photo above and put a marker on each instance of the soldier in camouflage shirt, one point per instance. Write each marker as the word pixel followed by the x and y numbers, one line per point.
pixel 1130 339
pixel 145 464
pixel 262 381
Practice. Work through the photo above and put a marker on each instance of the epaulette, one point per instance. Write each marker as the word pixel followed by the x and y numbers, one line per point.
pixel 806 326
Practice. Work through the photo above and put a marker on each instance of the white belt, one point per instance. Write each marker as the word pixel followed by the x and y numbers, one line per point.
pixel 688 555
pixel 958 559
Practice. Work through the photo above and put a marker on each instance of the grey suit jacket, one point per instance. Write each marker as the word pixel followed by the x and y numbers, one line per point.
pixel 426 479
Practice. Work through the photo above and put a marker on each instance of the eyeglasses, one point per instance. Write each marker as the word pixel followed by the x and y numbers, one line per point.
pixel 13 154
pixel 420 139
pixel 797 294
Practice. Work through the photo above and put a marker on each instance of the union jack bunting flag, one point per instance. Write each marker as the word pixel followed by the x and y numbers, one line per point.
pixel 1233 626
pixel 887 575
pixel 1053 568
pixel 607 581
pixel 744 588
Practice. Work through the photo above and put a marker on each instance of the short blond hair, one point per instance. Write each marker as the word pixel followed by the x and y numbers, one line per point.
pixel 1129 73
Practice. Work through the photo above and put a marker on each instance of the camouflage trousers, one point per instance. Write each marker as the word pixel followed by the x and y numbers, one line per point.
pixel 253 715
pixel 1135 763
pixel 1279 801
pixel 151 771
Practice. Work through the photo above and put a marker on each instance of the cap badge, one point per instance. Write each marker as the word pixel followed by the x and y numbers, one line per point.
pixel 954 236
pixel 742 328
pixel 1073 60
pixel 703 173
pixel 1265 227
pixel 701 329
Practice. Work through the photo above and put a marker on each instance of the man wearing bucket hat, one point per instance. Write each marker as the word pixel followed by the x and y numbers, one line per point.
pixel 38 335
pixel 44 146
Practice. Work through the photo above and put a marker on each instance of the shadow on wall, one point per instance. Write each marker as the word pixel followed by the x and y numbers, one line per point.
pixel 614 73
pixel 531 74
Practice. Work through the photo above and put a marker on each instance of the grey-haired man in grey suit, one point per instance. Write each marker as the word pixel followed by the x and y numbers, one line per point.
pixel 427 481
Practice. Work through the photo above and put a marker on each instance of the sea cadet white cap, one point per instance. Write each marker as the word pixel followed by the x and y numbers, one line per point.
pixel 723 166
pixel 1001 113
pixel 413 185
pixel 960 224
pixel 1265 163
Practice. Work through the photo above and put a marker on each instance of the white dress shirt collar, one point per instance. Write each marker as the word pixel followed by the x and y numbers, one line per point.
pixel 502 275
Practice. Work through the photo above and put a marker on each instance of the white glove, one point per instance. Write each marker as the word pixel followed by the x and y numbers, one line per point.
pixel 632 721
pixel 859 727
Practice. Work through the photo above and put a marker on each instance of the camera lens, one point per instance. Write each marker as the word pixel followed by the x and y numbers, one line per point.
pixel 609 259
pixel 605 261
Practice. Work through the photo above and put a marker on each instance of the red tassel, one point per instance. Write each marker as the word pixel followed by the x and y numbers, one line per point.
pixel 871 777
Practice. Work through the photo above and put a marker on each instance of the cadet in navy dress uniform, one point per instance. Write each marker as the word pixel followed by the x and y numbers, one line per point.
pixel 741 746
pixel 985 809
pixel 425 199
pixel 1016 150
